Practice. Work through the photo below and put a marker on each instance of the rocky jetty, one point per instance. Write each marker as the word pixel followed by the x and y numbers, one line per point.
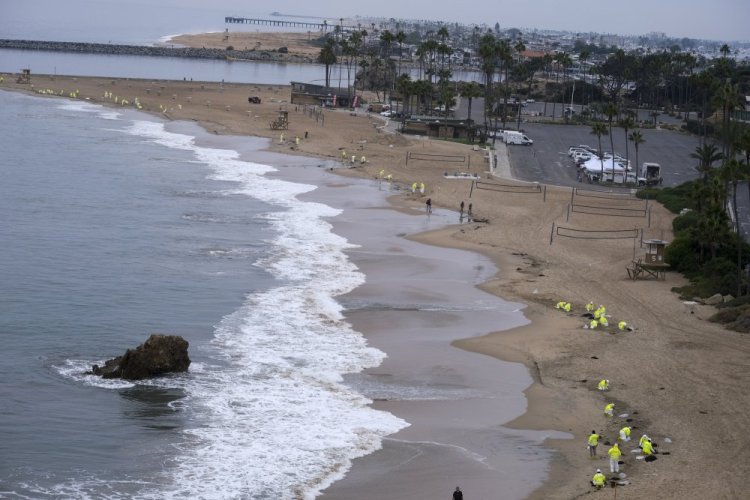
pixel 160 354
pixel 150 50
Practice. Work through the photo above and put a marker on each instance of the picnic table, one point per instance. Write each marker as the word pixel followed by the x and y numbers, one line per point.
pixel 640 270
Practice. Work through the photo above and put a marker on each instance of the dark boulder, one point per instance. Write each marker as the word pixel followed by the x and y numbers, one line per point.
pixel 160 354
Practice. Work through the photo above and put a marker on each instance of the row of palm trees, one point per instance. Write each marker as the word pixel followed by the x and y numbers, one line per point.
pixel 660 78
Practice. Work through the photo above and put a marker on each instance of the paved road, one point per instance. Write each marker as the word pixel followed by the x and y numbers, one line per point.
pixel 547 160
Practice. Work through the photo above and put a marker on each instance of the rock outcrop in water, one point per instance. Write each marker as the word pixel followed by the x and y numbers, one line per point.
pixel 160 354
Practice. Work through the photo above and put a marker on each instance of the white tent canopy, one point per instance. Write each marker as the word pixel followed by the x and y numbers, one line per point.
pixel 594 165
pixel 614 171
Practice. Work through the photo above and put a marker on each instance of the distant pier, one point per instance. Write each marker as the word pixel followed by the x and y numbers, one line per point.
pixel 271 22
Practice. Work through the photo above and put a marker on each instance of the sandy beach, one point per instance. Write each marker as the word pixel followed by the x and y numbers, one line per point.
pixel 679 378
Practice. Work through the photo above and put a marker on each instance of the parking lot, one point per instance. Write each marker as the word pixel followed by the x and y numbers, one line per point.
pixel 547 160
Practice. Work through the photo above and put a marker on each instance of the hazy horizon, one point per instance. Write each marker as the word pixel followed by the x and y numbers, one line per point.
pixel 722 20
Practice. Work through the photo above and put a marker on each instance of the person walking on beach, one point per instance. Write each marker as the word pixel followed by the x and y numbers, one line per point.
pixel 458 494
pixel 428 204
pixel 468 213
pixel 462 208
pixel 614 458
pixel 593 443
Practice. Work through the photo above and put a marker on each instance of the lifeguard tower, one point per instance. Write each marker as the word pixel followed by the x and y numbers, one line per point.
pixel 655 251
pixel 282 120
pixel 653 264
pixel 24 77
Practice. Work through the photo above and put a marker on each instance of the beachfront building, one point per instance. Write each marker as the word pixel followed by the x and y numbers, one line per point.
pixel 320 95
pixel 433 126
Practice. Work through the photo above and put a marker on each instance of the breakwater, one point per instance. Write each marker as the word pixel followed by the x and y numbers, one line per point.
pixel 153 51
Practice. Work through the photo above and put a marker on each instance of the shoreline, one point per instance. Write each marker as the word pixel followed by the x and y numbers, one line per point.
pixel 665 370
pixel 412 306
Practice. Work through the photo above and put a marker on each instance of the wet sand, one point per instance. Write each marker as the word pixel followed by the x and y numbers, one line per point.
pixel 416 301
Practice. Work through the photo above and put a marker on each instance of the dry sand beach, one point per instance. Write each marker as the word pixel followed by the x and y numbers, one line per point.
pixel 678 376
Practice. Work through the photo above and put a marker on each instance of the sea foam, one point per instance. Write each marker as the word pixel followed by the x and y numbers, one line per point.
pixel 272 418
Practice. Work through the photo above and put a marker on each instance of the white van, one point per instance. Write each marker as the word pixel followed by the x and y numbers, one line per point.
pixel 515 137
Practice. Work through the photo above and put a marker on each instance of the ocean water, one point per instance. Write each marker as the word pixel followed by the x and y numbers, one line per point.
pixel 147 23
pixel 137 22
pixel 113 228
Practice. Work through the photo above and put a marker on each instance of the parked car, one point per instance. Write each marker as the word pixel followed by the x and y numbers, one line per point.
pixel 387 114
pixel 573 150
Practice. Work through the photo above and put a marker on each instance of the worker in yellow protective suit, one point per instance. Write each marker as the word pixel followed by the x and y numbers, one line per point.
pixel 599 479
pixel 603 385
pixel 593 442
pixel 625 434
pixel 643 438
pixel 609 410
pixel 647 447
pixel 614 458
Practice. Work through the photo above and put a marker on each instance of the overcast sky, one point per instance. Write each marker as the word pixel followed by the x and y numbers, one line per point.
pixel 713 19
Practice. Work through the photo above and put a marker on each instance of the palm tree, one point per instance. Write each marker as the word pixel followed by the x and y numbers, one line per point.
pixel 487 54
pixel 443 34
pixel 387 38
pixel 327 57
pixel 400 38
pixel 470 91
pixel 610 109
pixel 427 50
pixel 405 87
pixel 599 129
pixel 706 155
pixel 728 97
pixel 566 62
pixel 547 61
pixel 423 89
pixel 724 51
pixel 444 52
pixel 735 172
pixel 743 144
pixel 637 138
pixel 519 47
pixel 703 82
pixel 711 230
pixel 584 56
pixel 627 123
pixel 504 55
